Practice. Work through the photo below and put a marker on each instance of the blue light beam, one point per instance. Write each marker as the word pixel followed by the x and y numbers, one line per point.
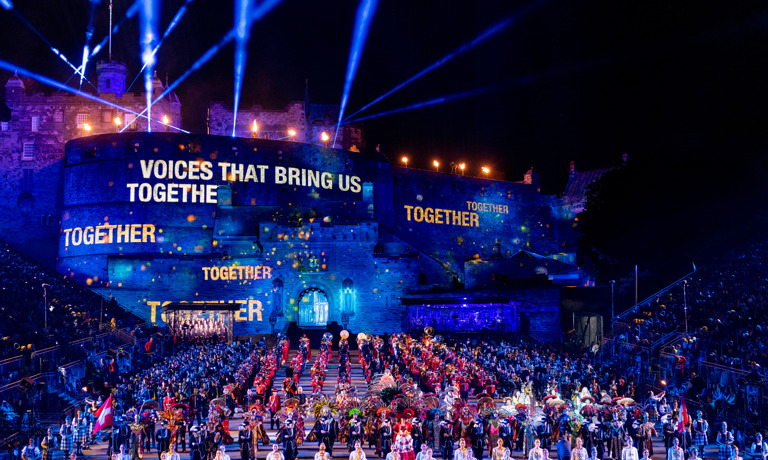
pixel 242 33
pixel 174 22
pixel 257 14
pixel 520 81
pixel 55 84
pixel 88 37
pixel 148 30
pixel 365 12
pixel 47 42
pixel 483 36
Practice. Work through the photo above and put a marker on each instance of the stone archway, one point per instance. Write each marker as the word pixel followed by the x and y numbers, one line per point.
pixel 314 308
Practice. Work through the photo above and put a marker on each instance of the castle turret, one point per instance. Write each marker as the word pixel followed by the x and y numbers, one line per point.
pixel 112 76
pixel 14 89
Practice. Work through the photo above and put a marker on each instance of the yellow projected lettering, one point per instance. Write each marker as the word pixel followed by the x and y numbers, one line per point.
pixel 442 216
pixel 237 272
pixel 105 234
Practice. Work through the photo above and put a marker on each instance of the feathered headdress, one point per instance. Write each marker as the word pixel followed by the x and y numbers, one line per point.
pixel 320 408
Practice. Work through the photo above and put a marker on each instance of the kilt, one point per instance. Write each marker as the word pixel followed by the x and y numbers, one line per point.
pixel 48 454
pixel 81 436
pixel 724 451
pixel 66 443
pixel 700 440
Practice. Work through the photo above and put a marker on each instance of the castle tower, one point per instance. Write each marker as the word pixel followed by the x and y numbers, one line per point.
pixel 112 76
pixel 14 89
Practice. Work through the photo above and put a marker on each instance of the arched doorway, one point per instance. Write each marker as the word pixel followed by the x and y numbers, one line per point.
pixel 313 308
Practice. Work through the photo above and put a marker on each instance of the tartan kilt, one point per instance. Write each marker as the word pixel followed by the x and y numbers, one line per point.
pixel 48 454
pixel 724 452
pixel 80 436
pixel 700 440
pixel 66 443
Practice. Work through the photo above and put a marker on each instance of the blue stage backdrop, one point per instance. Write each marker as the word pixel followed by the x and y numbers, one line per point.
pixel 290 231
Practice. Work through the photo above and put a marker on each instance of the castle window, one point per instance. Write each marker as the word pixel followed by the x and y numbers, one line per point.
pixel 26 180
pixel 82 119
pixel 106 116
pixel 130 118
pixel 108 83
pixel 58 116
pixel 35 123
pixel 29 151
pixel 3 126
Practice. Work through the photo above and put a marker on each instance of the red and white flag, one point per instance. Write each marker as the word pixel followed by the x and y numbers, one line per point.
pixel 104 416
pixel 684 419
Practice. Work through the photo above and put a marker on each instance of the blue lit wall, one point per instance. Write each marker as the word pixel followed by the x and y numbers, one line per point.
pixel 259 222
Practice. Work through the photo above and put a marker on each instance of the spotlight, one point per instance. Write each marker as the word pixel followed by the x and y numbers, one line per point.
pixel 118 122
pixel 462 166
pixel 255 130
pixel 325 138
pixel 486 171
pixel 663 382
pixel 437 165
pixel 87 127
pixel 405 161
pixel 165 122
pixel 292 133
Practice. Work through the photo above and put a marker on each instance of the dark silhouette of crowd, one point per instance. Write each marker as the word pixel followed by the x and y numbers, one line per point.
pixel 73 312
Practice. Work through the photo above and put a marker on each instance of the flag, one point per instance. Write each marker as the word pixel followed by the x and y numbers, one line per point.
pixel 684 419
pixel 104 416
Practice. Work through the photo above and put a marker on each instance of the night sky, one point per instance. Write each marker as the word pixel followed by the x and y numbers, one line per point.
pixel 584 81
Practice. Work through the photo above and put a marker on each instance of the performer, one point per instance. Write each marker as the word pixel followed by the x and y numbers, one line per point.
pixel 500 452
pixel 724 442
pixel 477 436
pixel 676 452
pixel 404 442
pixel 275 454
pixel 121 455
pixel 259 434
pixel 629 452
pixel 221 453
pixel 417 433
pixel 700 430
pixel 168 401
pixel 759 448
pixel 81 433
pixel 356 454
pixel 287 436
pixel 647 431
pixel 462 453
pixel 422 453
pixel 616 433
pixel 48 445
pixel 274 407
pixel 245 439
pixel 322 454
pixel 579 452
pixel 67 432
pixel 171 453
pixel 196 444
pixel 537 453
pixel 325 431
pixel 446 439
pixel 30 451
pixel 181 435
pixel 385 437
pixel 163 437
pixel 355 433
